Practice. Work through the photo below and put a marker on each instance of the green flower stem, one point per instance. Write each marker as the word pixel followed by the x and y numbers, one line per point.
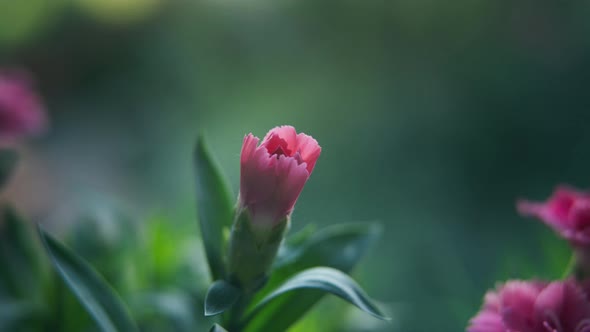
pixel 570 267
pixel 252 250
pixel 234 317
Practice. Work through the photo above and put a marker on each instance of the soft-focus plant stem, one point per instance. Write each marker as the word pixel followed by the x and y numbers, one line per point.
pixel 570 267
pixel 58 317
pixel 234 318
pixel 252 250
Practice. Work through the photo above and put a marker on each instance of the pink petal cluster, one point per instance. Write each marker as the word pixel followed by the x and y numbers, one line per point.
pixel 21 111
pixel 567 211
pixel 533 306
pixel 273 173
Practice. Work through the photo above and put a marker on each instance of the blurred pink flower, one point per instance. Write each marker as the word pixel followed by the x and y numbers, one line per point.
pixel 274 173
pixel 567 211
pixel 533 306
pixel 21 111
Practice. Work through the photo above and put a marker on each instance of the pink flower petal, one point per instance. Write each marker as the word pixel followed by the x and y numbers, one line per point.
pixel 309 149
pixel 567 211
pixel 518 306
pixel 532 306
pixel 285 133
pixel 486 321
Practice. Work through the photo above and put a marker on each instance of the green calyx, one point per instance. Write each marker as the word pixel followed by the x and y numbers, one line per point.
pixel 252 250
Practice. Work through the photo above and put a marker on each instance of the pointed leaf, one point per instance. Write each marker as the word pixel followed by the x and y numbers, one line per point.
pixel 214 207
pixel 217 328
pixel 322 279
pixel 93 292
pixel 338 246
pixel 22 270
pixel 220 297
pixel 8 159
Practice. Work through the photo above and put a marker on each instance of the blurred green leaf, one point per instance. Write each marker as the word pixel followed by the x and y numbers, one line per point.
pixel 22 271
pixel 337 246
pixel 217 328
pixel 214 207
pixel 107 238
pixel 8 159
pixel 298 238
pixel 323 279
pixel 93 292
pixel 21 21
pixel 119 12
pixel 14 314
pixel 220 297
pixel 173 308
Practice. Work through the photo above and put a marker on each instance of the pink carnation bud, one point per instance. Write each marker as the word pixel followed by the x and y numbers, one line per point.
pixel 21 111
pixel 274 172
pixel 567 211
pixel 532 306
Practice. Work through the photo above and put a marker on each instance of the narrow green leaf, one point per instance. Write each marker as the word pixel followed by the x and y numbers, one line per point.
pixel 220 297
pixel 217 328
pixel 93 292
pixel 22 274
pixel 322 279
pixel 17 315
pixel 214 208
pixel 8 159
pixel 338 246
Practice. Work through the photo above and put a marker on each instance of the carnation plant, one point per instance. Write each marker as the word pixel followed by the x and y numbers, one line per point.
pixel 259 279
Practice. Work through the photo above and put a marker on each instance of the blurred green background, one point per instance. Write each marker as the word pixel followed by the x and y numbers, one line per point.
pixel 433 118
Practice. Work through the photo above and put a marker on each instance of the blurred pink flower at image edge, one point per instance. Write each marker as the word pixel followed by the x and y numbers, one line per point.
pixel 534 306
pixel 22 113
pixel 567 211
